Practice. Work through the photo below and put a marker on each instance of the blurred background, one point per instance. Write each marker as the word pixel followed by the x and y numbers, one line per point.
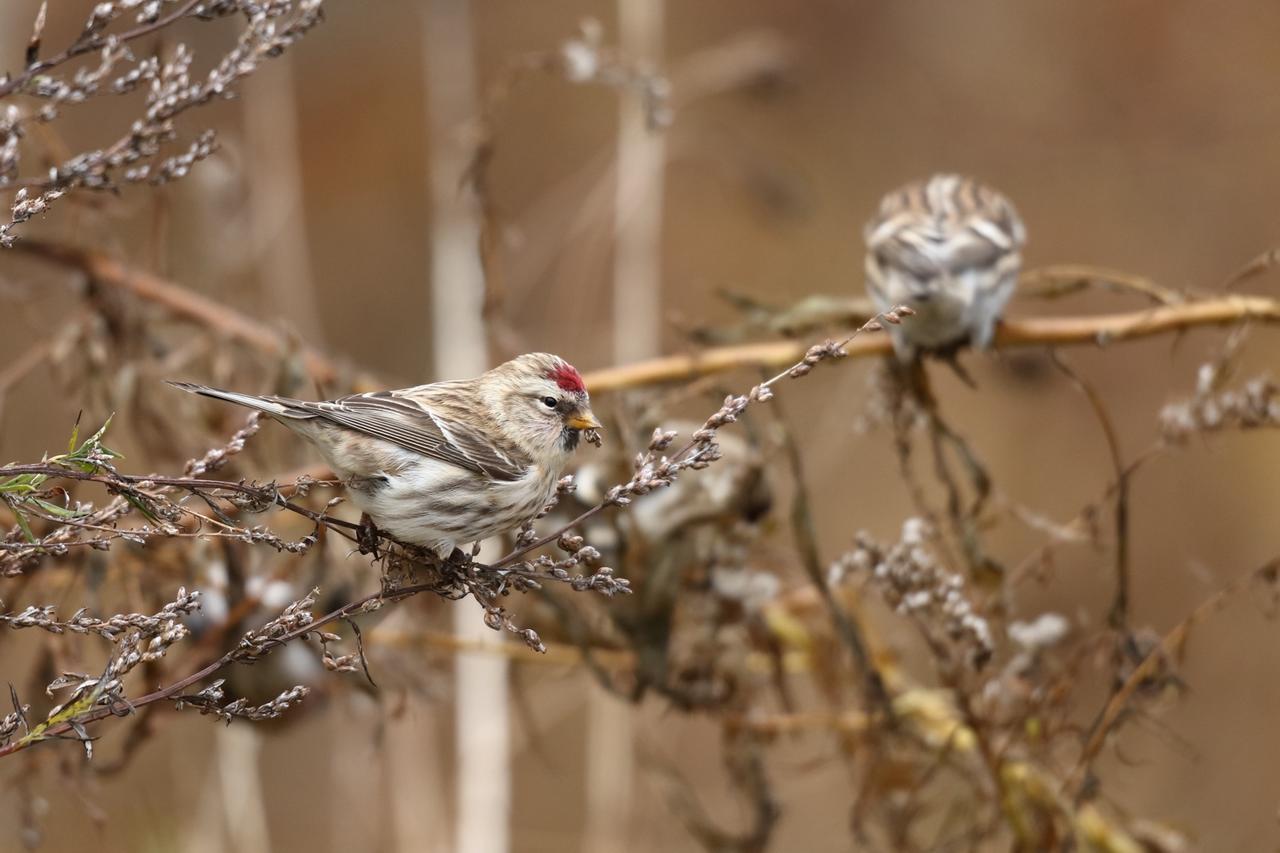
pixel 614 216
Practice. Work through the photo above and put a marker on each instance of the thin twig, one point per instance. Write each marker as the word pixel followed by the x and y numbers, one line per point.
pixel 1118 616
pixel 1119 699
pixel 83 46
pixel 1056 281
pixel 806 536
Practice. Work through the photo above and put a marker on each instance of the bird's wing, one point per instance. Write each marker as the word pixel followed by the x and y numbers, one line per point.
pixel 415 427
pixel 923 257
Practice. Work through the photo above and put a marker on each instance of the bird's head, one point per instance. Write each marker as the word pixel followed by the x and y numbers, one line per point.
pixel 542 401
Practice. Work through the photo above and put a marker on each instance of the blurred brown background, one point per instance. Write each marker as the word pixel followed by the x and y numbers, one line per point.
pixel 1139 136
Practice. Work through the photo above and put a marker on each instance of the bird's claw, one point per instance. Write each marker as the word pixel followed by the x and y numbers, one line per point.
pixel 367 536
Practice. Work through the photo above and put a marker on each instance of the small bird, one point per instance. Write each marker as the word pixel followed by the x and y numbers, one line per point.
pixel 949 248
pixel 446 464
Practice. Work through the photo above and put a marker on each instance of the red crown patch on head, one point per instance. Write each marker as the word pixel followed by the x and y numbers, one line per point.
pixel 567 377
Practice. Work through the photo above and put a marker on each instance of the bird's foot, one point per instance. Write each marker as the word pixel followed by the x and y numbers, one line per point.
pixel 367 536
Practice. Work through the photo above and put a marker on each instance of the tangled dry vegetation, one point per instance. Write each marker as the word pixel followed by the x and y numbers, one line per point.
pixel 960 720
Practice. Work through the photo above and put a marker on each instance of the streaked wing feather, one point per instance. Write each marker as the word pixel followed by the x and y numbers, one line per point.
pixel 407 424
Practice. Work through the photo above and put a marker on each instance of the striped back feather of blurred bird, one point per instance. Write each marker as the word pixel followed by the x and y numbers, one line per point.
pixel 950 248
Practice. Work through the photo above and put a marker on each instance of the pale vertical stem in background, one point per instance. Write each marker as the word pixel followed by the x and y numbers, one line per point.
pixel 481 724
pixel 359 792
pixel 244 807
pixel 276 209
pixel 637 330
pixel 282 262
pixel 230 810
pixel 203 830
pixel 414 780
pixel 637 259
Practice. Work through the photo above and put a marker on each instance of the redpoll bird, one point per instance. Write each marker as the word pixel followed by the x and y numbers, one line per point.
pixel 949 248
pixel 446 464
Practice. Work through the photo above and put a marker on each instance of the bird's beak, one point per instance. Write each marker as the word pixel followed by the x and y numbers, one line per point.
pixel 583 419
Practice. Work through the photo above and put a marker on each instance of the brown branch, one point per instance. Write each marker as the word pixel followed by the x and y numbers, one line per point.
pixel 103 269
pixel 1255 267
pixel 1014 332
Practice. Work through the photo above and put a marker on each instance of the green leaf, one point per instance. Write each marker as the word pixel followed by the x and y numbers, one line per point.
pixel 22 484
pixel 58 511
pixel 22 523
pixel 65 715
pixel 142 508
pixel 96 439
pixel 75 432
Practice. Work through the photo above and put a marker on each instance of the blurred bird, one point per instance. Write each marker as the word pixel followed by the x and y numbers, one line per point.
pixel 949 248
pixel 450 463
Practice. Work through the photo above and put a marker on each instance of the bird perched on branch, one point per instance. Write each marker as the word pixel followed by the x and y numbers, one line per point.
pixel 450 463
pixel 949 248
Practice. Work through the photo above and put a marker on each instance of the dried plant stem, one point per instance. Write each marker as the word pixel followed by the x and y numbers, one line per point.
pixel 805 532
pixel 84 46
pixel 1053 282
pixel 962 519
pixel 1077 782
pixel 1118 616
pixel 238 755
pixel 800 367
pixel 114 480
pixel 637 334
pixel 370 602
pixel 481 712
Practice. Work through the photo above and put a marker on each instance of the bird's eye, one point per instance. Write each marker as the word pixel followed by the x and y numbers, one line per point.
pixel 549 402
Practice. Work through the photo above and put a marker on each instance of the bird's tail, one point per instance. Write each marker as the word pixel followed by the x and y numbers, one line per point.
pixel 280 407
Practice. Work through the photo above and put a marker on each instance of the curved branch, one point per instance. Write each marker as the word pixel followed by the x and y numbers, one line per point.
pixel 1096 329
pixel 103 269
